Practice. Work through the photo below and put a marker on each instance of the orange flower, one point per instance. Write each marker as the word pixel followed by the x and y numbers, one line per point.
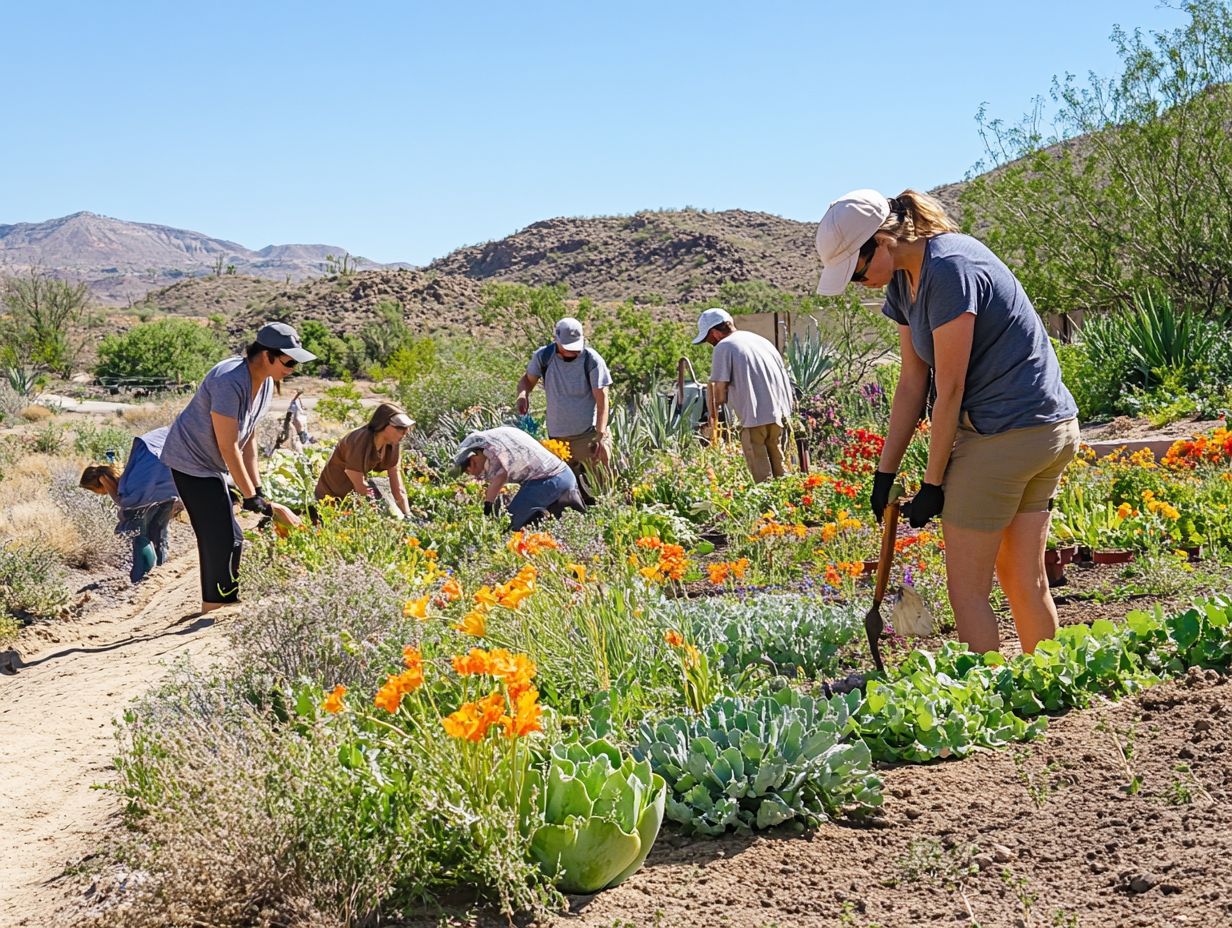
pixel 333 703
pixel 806 500
pixel 673 637
pixel 832 577
pixel 451 589
pixel 416 608
pixel 528 544
pixel 718 573
pixel 397 685
pixel 473 623
pixel 526 714
pixel 475 662
pixel 411 658
pixel 487 597
pixel 473 719
pixel 578 571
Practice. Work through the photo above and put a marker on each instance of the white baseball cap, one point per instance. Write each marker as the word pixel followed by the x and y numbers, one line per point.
pixel 708 320
pixel 850 221
pixel 569 334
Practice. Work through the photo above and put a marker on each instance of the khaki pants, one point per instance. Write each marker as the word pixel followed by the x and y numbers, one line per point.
pixel 763 451
pixel 582 449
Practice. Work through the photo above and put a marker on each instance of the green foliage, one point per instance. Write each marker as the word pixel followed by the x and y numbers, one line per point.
pixel 341 403
pixel 174 350
pixel 31 583
pixel 601 815
pixel 778 633
pixel 48 440
pixel 643 352
pixel 94 441
pixel 415 358
pixel 336 356
pixel 745 764
pixel 1096 387
pixel 526 316
pixel 1134 192
pixel 45 321
pixel 466 373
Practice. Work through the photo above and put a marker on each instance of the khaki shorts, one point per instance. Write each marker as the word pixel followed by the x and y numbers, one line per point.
pixel 992 478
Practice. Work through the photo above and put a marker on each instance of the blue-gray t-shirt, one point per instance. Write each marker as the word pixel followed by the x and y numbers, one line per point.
pixel 191 447
pixel 1013 378
pixel 570 387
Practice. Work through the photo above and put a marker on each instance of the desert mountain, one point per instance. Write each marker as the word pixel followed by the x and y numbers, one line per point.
pixel 121 261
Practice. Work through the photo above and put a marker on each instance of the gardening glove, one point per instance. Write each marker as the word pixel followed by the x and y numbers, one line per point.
pixel 493 508
pixel 257 503
pixel 882 482
pixel 927 503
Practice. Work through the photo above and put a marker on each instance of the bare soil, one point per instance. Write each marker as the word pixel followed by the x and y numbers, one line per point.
pixel 72 680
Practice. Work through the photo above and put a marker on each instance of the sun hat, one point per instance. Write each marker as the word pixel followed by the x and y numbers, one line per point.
pixel 569 334
pixel 471 445
pixel 850 221
pixel 281 337
pixel 716 315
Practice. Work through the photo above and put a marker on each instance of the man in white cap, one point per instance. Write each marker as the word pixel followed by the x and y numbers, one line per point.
pixel 575 378
pixel 748 374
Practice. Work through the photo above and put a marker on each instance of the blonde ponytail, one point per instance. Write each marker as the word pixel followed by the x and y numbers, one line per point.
pixel 916 215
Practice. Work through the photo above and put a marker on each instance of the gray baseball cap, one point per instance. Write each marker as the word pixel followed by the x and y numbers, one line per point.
pixel 471 445
pixel 569 334
pixel 281 337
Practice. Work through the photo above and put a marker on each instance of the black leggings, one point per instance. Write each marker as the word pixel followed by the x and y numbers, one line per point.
pixel 219 540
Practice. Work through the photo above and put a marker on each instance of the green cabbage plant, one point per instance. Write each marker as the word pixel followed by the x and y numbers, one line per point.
pixel 600 816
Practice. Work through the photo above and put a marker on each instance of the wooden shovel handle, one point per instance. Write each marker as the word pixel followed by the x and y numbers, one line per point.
pixel 889 534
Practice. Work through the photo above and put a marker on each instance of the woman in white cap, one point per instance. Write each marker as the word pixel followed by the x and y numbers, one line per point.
pixel 213 438
pixel 372 448
pixel 1003 424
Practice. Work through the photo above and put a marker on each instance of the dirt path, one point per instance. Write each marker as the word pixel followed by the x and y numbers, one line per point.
pixel 57 736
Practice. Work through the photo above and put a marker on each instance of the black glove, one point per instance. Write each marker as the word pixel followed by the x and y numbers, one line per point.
pixel 258 503
pixel 927 503
pixel 880 498
pixel 493 508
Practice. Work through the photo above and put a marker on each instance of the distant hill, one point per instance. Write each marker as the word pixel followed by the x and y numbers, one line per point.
pixel 122 261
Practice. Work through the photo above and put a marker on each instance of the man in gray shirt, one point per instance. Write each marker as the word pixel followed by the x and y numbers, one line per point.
pixel 748 375
pixel 575 379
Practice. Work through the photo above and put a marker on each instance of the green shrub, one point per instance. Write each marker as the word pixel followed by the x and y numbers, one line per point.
pixel 467 373
pixel 31 583
pixel 48 440
pixel 95 441
pixel 173 350
pixel 341 403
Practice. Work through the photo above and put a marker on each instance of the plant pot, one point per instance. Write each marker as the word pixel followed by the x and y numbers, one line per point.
pixel 1054 566
pixel 1113 556
pixel 1068 553
pixel 870 566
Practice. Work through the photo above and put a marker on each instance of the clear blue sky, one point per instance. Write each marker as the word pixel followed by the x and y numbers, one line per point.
pixel 403 130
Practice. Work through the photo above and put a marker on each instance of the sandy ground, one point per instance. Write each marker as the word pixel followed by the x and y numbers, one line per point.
pixel 56 715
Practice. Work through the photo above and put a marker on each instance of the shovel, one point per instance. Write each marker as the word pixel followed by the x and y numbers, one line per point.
pixel 873 623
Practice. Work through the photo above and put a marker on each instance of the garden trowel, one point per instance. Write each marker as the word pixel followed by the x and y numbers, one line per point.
pixel 874 625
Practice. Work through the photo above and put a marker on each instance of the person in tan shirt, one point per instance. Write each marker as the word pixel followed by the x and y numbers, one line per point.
pixel 371 448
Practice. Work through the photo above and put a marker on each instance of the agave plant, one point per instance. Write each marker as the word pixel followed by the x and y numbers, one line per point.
pixel 600 816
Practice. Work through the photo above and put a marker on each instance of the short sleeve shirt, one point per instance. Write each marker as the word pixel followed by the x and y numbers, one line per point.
pixel 356 451
pixel 191 447
pixel 521 457
pixel 570 387
pixel 1013 377
pixel 759 390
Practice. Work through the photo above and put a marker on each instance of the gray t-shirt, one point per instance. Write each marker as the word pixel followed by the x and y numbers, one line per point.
pixel 759 390
pixel 1013 378
pixel 569 386
pixel 521 457
pixel 191 447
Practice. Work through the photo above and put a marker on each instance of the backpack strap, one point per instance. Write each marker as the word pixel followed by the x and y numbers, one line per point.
pixel 548 352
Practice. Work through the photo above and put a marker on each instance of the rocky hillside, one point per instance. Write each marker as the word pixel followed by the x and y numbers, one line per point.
pixel 669 256
pixel 122 261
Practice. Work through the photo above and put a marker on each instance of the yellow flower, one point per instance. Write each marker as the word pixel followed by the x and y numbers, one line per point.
pixel 416 608
pixel 578 570
pixel 558 448
pixel 473 623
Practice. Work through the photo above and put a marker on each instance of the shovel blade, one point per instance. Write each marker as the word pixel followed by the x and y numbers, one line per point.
pixel 873 627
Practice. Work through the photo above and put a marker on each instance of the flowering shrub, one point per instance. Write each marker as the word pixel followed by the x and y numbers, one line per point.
pixel 1215 448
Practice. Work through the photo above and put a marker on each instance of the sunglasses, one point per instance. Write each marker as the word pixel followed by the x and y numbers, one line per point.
pixel 867 250
pixel 288 363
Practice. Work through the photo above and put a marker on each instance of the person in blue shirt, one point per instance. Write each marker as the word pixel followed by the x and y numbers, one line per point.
pixel 145 496
pixel 1003 425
